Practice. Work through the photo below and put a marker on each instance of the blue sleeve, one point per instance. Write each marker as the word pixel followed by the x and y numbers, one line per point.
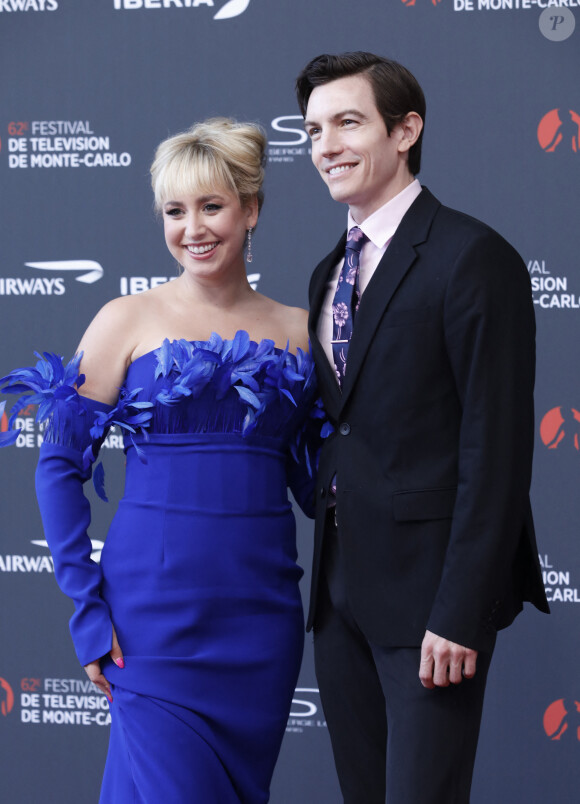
pixel 302 463
pixel 302 485
pixel 74 427
pixel 66 515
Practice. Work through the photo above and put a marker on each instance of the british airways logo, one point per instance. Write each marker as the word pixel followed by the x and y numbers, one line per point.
pixel 47 284
pixel 89 271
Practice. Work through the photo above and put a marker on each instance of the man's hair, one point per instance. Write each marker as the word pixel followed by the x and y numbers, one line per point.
pixel 396 90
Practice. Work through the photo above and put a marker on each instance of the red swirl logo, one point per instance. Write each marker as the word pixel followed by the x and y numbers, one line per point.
pixel 28 410
pixel 561 718
pixel 6 697
pixel 561 426
pixel 559 128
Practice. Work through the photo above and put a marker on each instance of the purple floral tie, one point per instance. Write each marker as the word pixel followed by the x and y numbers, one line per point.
pixel 346 300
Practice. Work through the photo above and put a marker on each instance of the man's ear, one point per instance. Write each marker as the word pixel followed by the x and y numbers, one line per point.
pixel 410 130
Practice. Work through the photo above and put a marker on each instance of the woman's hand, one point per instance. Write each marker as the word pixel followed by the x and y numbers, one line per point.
pixel 93 669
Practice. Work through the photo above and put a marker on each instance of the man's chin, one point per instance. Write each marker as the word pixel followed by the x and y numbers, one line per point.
pixel 340 194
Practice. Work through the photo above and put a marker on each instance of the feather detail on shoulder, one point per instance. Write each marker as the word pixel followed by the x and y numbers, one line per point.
pixel 45 384
pixel 129 414
pixel 234 382
pixel 50 385
pixel 69 419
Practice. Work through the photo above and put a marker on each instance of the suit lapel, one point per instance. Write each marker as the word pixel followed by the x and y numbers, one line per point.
pixel 390 272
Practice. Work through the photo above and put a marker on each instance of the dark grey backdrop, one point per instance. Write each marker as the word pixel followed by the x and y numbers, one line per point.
pixel 134 71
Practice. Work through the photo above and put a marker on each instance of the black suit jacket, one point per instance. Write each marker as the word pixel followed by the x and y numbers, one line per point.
pixel 434 431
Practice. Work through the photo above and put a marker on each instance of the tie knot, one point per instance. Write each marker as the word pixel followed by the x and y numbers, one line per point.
pixel 356 239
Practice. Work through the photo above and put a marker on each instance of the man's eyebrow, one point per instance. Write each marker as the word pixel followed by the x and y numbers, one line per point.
pixel 338 116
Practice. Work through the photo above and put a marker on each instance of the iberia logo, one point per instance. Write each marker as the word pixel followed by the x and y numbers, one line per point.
pixel 561 426
pixel 561 718
pixel 6 697
pixel 560 128
pixel 232 8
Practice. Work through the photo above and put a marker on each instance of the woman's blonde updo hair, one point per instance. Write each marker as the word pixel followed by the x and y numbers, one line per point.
pixel 217 153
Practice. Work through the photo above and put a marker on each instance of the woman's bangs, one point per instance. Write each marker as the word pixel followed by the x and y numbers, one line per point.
pixel 195 173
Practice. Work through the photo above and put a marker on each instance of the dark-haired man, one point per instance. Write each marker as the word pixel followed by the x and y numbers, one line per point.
pixel 422 327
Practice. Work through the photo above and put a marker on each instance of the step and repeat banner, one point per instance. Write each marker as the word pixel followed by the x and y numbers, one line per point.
pixel 88 89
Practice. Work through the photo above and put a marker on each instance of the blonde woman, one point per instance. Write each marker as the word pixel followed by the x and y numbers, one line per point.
pixel 192 625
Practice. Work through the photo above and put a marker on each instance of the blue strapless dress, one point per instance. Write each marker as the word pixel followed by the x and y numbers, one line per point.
pixel 198 573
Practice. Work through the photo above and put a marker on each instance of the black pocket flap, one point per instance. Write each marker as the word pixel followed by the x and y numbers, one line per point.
pixel 424 504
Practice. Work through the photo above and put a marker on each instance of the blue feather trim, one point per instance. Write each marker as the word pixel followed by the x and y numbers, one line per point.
pixel 257 374
pixel 307 443
pixel 99 481
pixel 70 419
pixel 49 385
pixel 129 414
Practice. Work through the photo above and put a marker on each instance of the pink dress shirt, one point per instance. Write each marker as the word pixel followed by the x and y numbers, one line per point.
pixel 379 228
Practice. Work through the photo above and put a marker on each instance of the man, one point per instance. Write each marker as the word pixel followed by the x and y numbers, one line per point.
pixel 424 541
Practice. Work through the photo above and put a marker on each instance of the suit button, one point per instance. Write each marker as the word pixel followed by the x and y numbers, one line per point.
pixel 323 492
pixel 344 428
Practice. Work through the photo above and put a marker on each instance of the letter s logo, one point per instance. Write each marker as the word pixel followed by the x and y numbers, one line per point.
pixel 310 708
pixel 301 136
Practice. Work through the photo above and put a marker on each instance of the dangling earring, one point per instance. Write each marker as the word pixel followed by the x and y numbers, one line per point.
pixel 249 255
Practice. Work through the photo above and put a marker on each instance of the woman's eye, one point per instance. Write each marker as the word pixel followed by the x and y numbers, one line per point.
pixel 212 207
pixel 173 211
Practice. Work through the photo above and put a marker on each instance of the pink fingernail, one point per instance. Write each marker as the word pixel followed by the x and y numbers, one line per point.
pixel 120 663
pixel 109 698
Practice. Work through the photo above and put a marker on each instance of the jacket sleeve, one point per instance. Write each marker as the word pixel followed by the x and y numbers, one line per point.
pixel 60 475
pixel 490 339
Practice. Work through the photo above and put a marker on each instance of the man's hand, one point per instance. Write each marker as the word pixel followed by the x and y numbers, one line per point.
pixel 444 662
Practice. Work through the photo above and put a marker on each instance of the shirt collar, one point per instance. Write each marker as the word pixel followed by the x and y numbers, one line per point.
pixel 382 224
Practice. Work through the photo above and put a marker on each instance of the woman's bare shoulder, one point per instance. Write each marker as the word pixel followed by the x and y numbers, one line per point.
pixel 291 324
pixel 108 344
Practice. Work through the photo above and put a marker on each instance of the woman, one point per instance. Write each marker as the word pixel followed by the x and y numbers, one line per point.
pixel 193 623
